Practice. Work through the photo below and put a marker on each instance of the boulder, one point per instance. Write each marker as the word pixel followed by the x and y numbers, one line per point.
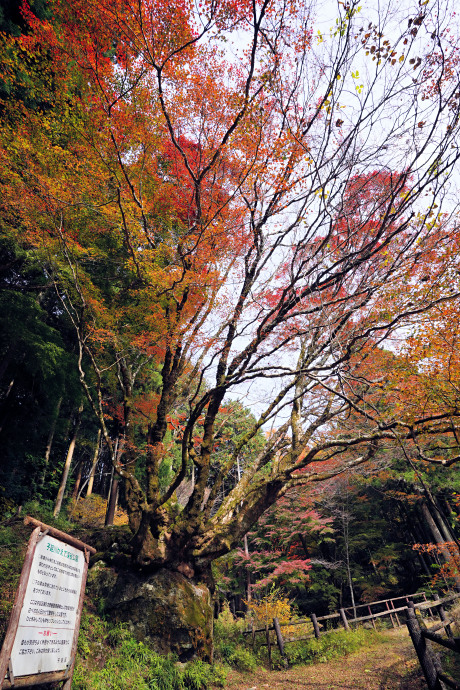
pixel 165 609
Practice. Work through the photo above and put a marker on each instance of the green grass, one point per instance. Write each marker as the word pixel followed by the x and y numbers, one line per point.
pixel 109 658
pixel 332 645
pixel 231 647
pixel 236 656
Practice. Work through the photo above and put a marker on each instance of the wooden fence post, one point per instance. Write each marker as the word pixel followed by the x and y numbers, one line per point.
pixel 443 617
pixel 429 610
pixel 372 619
pixel 279 639
pixel 314 620
pixel 269 647
pixel 424 653
pixel 396 615
pixel 391 617
pixel 344 619
pixel 253 635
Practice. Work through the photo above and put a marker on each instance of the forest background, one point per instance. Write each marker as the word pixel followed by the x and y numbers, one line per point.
pixel 230 289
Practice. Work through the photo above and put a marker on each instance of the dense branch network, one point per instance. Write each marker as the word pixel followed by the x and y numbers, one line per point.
pixel 277 219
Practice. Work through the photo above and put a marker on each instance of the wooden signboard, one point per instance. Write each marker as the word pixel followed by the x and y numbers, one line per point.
pixel 41 640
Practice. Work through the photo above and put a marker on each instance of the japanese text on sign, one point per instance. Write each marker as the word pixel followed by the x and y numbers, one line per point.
pixel 47 621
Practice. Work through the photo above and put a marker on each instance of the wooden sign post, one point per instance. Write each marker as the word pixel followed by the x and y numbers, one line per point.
pixel 41 641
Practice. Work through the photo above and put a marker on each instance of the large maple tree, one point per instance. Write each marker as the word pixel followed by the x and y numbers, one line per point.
pixel 249 202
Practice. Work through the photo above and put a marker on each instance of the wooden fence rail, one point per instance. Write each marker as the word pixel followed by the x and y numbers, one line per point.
pixel 346 622
pixel 404 597
pixel 315 620
pixel 422 636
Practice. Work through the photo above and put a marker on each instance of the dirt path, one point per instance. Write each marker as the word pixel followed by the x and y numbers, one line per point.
pixel 386 666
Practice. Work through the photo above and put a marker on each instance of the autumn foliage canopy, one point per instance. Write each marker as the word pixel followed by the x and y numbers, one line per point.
pixel 234 203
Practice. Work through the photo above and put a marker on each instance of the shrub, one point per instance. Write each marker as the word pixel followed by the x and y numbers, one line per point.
pixel 90 512
pixel 225 650
pixel 272 605
pixel 43 511
pixel 331 645
pixel 229 642
pixel 228 629
pixel 242 660
pixel 275 605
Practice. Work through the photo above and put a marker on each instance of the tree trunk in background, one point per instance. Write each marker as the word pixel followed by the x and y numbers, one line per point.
pixel 429 520
pixel 248 573
pixel 443 524
pixel 423 564
pixel 77 481
pixel 438 538
pixel 413 537
pixel 68 462
pixel 346 535
pixel 438 515
pixel 113 501
pixel 421 537
pixel 92 473
pixel 245 543
pixel 49 443
pixel 449 509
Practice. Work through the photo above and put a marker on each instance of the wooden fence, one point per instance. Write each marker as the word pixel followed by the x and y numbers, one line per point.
pixel 346 617
pixel 423 637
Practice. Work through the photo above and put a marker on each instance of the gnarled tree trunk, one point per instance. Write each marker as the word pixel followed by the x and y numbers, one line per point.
pixel 172 611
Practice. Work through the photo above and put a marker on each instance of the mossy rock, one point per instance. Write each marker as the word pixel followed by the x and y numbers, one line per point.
pixel 164 609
